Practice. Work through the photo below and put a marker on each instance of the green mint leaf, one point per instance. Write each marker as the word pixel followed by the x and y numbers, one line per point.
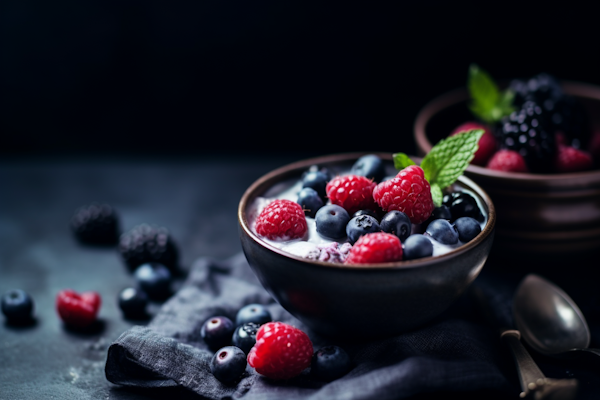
pixel 436 194
pixel 449 158
pixel 402 161
pixel 484 93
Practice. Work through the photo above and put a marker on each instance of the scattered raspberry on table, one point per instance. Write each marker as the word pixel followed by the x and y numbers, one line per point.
pixel 78 310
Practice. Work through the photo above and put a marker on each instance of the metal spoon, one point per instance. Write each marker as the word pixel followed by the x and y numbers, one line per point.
pixel 549 320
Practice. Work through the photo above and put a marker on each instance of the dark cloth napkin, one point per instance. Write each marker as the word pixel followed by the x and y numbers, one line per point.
pixel 457 353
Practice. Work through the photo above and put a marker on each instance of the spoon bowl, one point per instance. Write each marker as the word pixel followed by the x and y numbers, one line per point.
pixel 549 320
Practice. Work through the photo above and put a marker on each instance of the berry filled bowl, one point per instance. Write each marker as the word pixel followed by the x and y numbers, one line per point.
pixel 539 159
pixel 367 245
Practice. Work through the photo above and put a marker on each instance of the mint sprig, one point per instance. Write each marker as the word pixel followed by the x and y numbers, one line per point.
pixel 487 102
pixel 445 162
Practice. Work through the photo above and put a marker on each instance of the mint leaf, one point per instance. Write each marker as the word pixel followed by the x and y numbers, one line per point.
pixel 402 161
pixel 487 101
pixel 436 195
pixel 449 158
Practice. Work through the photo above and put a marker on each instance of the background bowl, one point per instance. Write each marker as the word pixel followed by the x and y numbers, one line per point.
pixel 367 300
pixel 547 217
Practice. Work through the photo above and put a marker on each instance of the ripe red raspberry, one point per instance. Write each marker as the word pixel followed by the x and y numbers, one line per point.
pixel 408 192
pixel 377 247
pixel 487 143
pixel 77 310
pixel 281 351
pixel 508 161
pixel 352 192
pixel 570 159
pixel 282 220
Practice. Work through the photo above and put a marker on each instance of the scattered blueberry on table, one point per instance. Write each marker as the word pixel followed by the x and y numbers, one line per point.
pixel 17 306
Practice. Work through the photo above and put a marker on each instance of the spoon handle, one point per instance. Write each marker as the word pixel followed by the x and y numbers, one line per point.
pixel 533 381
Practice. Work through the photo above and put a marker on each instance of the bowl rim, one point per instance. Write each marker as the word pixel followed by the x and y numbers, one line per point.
pixel 457 95
pixel 339 157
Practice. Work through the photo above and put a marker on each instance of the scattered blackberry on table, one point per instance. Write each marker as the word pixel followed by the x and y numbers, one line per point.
pixel 244 336
pixel 468 228
pixel 442 231
pixel 331 221
pixel 256 313
pixel 17 306
pixel 217 332
pixel 359 226
pixel 369 166
pixel 462 204
pixel 330 363
pixel 148 243
pixel 133 302
pixel 154 279
pixel 96 224
pixel 397 223
pixel 310 201
pixel 228 364
pixel 417 246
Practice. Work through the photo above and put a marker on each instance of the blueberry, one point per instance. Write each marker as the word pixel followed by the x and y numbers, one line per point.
pixel 244 336
pixel 316 180
pixel 366 212
pixel 17 306
pixel 154 279
pixel 331 221
pixel 467 228
pixel 361 225
pixel 397 223
pixel 416 246
pixel 133 303
pixel 369 166
pixel 329 363
pixel 256 313
pixel 310 201
pixel 441 212
pixel 217 332
pixel 462 204
pixel 228 364
pixel 442 231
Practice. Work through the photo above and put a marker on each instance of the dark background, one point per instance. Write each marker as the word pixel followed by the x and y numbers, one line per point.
pixel 207 77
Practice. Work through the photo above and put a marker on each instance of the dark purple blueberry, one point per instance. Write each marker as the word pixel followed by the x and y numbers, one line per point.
pixel 133 303
pixel 310 201
pixel 441 212
pixel 330 363
pixel 370 166
pixel 96 224
pixel 467 228
pixel 228 364
pixel 366 212
pixel 154 279
pixel 361 225
pixel 442 231
pixel 397 223
pixel 462 204
pixel 17 306
pixel 331 221
pixel 244 336
pixel 217 332
pixel 256 313
pixel 416 246
pixel 316 180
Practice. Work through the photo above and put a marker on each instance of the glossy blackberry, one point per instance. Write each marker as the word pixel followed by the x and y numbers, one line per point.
pixel 330 363
pixel 17 306
pixel 370 166
pixel 228 364
pixel 154 279
pixel 442 231
pixel 310 201
pixel 244 336
pixel 468 228
pixel 527 131
pixel 256 313
pixel 397 223
pixel 217 332
pixel 133 302
pixel 361 225
pixel 417 246
pixel 148 243
pixel 96 224
pixel 331 221
pixel 462 204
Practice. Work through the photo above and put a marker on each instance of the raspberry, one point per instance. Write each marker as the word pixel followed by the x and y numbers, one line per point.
pixel 281 351
pixel 487 143
pixel 570 159
pixel 352 192
pixel 507 160
pixel 408 192
pixel 282 220
pixel 378 247
pixel 77 310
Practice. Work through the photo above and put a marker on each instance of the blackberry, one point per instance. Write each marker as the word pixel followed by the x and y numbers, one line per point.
pixel 147 243
pixel 539 88
pixel 526 131
pixel 96 224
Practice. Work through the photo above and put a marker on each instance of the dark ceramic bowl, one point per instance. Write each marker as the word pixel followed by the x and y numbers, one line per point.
pixel 366 300
pixel 540 216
